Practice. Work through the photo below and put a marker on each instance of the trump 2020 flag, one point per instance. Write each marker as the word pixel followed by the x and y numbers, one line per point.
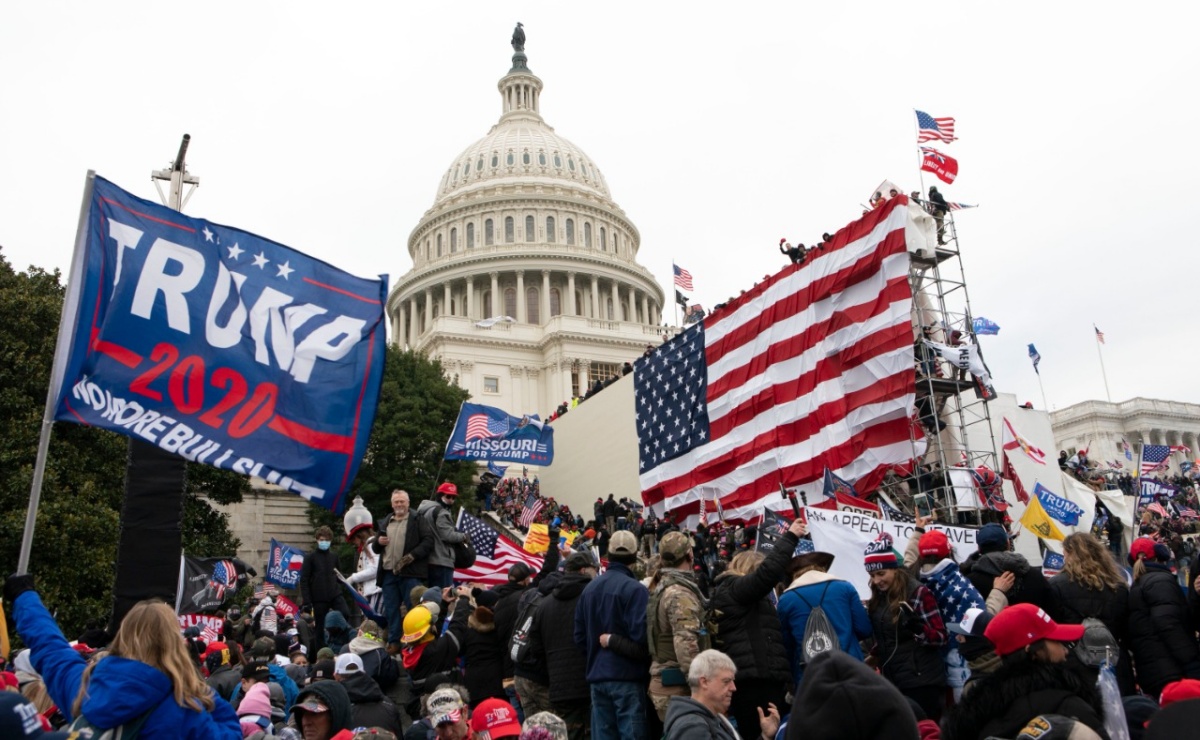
pixel 488 433
pixel 221 346
pixel 284 564
pixel 982 326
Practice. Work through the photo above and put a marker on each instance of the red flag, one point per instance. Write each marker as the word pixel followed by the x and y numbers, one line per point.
pixel 1010 474
pixel 946 168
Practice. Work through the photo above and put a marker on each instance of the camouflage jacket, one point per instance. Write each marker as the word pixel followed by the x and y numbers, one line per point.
pixel 675 622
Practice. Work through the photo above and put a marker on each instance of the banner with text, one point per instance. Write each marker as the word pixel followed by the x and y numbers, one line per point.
pixel 223 347
pixel 845 535
pixel 284 564
pixel 488 433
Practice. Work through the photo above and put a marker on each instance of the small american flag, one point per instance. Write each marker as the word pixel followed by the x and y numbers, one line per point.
pixel 934 129
pixel 1099 334
pixel 533 506
pixel 683 278
pixel 959 206
pixel 1154 457
pixel 494 553
pixel 892 514
pixel 482 426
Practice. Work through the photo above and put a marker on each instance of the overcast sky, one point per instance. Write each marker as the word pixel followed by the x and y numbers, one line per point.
pixel 328 126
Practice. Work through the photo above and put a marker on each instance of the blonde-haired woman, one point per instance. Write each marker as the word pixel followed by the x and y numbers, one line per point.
pixel 1090 585
pixel 147 680
pixel 748 628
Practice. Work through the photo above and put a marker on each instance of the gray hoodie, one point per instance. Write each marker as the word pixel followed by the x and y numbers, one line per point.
pixel 445 536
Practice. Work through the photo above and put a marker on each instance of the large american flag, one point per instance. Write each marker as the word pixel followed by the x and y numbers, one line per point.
pixel 1154 457
pixel 810 369
pixel 934 129
pixel 494 553
pixel 683 278
pixel 482 426
pixel 533 506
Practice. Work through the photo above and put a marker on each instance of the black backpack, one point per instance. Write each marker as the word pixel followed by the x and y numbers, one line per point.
pixel 819 634
pixel 518 645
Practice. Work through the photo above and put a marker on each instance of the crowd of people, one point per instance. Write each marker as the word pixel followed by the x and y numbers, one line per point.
pixel 639 628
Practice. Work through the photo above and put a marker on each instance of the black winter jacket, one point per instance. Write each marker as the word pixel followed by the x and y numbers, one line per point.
pixel 1076 602
pixel 1030 586
pixel 748 628
pixel 1163 644
pixel 368 706
pixel 418 542
pixel 904 662
pixel 510 596
pixel 318 578
pixel 552 640
pixel 481 651
pixel 1001 703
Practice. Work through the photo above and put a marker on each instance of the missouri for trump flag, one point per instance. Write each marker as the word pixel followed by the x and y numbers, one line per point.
pixel 488 433
pixel 811 369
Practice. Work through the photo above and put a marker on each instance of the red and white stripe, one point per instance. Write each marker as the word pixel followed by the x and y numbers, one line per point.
pixel 529 513
pixel 811 369
pixel 494 571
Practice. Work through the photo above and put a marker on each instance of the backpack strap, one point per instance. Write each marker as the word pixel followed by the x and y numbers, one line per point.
pixel 819 601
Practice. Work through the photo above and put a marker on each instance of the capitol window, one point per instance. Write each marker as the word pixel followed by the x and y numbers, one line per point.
pixel 487 304
pixel 571 163
pixel 466 168
pixel 470 236
pixel 557 161
pixel 439 245
pixel 530 229
pixel 583 169
pixel 550 236
pixel 603 240
pixel 510 158
pixel 510 302
pixel 533 306
pixel 555 302
pixel 453 240
pixel 525 158
pixel 479 165
pixel 426 250
pixel 491 384
pixel 542 158
pixel 495 160
pixel 587 234
pixel 571 232
pixel 489 236
pixel 616 242
pixel 509 230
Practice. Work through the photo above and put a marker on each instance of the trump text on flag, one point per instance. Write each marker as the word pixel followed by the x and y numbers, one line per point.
pixel 223 347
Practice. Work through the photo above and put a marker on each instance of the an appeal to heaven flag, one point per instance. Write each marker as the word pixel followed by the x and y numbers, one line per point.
pixel 222 347
pixel 488 433
pixel 810 369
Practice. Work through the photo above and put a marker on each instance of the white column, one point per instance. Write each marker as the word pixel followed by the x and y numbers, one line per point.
pixel 412 321
pixel 544 298
pixel 521 319
pixel 595 297
pixel 646 309
pixel 446 299
pixel 616 299
pixel 471 297
pixel 401 325
pixel 497 306
pixel 632 311
pixel 572 310
pixel 428 309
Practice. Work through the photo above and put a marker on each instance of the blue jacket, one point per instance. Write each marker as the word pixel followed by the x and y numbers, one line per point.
pixel 841 604
pixel 615 603
pixel 120 690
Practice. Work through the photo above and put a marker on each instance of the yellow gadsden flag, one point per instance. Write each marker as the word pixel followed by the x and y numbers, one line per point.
pixel 538 539
pixel 1036 520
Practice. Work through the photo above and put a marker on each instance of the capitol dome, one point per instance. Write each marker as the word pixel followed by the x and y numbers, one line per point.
pixel 525 281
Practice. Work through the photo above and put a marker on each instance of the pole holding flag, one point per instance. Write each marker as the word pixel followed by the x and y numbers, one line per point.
pixel 1100 341
pixel 1037 358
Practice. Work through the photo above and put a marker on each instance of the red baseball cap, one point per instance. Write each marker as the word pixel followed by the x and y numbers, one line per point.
pixel 496 717
pixel 214 647
pixel 1021 625
pixel 448 489
pixel 1183 689
pixel 934 542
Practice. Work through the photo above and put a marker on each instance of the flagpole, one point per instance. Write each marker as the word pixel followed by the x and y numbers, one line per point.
pixel 675 288
pixel 1137 493
pixel 920 159
pixel 1045 405
pixel 1102 373
pixel 62 348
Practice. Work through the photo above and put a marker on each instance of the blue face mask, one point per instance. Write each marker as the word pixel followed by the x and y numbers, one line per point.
pixel 323 544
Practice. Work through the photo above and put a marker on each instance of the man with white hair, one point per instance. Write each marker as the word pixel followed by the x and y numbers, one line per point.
pixel 702 715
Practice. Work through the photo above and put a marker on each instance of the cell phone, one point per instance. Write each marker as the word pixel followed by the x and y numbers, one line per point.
pixel 921 504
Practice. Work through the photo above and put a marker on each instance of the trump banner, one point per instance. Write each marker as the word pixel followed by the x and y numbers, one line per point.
pixel 221 346
pixel 284 564
pixel 492 434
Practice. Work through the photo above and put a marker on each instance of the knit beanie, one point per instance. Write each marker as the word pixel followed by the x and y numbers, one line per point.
pixel 841 698
pixel 880 555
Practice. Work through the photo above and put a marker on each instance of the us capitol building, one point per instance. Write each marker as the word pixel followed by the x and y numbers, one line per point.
pixel 525 281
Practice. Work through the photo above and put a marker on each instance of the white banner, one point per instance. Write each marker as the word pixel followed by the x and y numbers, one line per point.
pixel 845 535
